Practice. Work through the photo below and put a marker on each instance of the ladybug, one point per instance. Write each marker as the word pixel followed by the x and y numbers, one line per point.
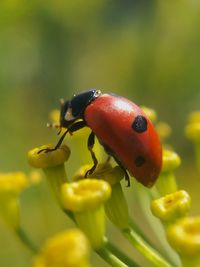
pixel 121 127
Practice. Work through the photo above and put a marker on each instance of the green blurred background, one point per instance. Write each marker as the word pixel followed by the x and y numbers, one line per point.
pixel 145 50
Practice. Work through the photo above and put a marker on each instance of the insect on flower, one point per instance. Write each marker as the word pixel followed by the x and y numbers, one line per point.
pixel 121 127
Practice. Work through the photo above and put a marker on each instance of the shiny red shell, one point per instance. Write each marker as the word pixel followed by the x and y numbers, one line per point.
pixel 111 117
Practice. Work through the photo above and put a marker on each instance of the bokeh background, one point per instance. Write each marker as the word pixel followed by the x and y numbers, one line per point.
pixel 145 50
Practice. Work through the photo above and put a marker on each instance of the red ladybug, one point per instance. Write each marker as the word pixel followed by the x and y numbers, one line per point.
pixel 121 127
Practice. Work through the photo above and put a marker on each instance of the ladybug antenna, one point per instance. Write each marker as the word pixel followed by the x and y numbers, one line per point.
pixel 56 126
pixel 53 125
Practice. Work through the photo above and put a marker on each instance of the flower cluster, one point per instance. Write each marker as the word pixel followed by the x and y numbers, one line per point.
pixel 89 201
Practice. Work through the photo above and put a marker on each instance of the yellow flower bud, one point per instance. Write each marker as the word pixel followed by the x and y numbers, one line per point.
pixel 49 159
pixel 13 181
pixel 171 160
pixel 151 113
pixel 116 207
pixel 52 163
pixel 85 195
pixel 35 177
pixel 192 129
pixel 67 249
pixel 184 237
pixel 11 185
pixel 171 207
pixel 163 130
pixel 85 199
pixel 194 116
pixel 166 182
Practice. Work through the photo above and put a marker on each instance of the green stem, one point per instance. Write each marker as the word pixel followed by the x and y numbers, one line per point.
pixel 145 249
pixel 144 198
pixel 139 232
pixel 56 177
pixel 110 258
pixel 166 184
pixel 117 252
pixel 26 240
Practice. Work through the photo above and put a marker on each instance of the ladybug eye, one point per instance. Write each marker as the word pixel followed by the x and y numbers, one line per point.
pixel 139 161
pixel 139 124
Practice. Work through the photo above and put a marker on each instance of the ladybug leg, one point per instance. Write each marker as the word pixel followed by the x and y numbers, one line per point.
pixel 72 128
pixel 76 126
pixel 90 144
pixel 111 154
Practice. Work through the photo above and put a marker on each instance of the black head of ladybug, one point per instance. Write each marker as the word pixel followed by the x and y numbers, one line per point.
pixel 74 109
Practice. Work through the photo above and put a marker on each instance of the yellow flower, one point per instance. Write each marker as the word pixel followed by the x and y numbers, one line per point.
pixel 11 185
pixel 85 195
pixel 52 163
pixel 184 237
pixel 171 207
pixel 194 116
pixel 35 177
pixel 66 249
pixel 151 113
pixel 116 207
pixel 166 182
pixel 164 130
pixel 49 159
pixel 13 181
pixel 192 128
pixel 171 160
pixel 192 131
pixel 85 199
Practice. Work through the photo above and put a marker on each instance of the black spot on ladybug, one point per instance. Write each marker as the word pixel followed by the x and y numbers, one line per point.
pixel 139 124
pixel 139 161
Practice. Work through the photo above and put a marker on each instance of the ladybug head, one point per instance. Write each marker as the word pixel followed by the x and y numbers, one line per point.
pixel 73 110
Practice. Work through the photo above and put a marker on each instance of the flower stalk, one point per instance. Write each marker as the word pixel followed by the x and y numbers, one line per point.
pixel 116 207
pixel 52 163
pixel 24 238
pixel 144 198
pixel 111 258
pixel 166 182
pixel 85 199
pixel 144 248
pixel 11 185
